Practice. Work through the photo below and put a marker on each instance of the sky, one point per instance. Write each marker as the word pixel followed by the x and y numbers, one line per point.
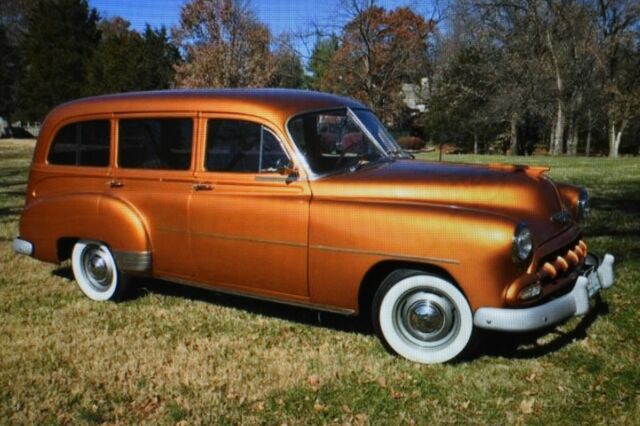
pixel 292 16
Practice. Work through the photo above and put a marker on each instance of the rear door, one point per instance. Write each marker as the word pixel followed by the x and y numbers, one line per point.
pixel 154 174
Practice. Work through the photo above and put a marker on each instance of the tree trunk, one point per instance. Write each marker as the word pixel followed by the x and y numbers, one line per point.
pixel 572 139
pixel 551 133
pixel 615 137
pixel 475 142
pixel 587 149
pixel 559 130
pixel 513 135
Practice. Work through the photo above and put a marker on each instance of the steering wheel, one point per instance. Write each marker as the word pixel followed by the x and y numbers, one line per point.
pixel 344 152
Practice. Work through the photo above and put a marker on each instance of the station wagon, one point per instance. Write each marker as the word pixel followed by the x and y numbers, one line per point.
pixel 306 199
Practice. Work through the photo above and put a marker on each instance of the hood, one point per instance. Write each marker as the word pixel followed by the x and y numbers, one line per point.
pixel 522 193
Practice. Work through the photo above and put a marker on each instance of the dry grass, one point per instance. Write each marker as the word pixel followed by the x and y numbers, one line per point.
pixel 172 354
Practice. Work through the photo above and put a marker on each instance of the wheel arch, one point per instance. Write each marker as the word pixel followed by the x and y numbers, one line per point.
pixel 378 272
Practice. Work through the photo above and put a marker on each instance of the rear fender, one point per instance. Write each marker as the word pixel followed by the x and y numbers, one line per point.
pixel 97 217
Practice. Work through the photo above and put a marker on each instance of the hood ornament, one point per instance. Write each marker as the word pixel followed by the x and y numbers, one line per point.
pixel 562 217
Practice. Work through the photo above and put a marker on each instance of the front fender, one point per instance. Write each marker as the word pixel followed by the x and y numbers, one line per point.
pixel 348 238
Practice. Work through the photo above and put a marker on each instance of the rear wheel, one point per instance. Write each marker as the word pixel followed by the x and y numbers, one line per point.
pixel 96 271
pixel 422 317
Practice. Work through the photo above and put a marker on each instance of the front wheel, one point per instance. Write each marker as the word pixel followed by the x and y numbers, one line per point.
pixel 96 271
pixel 422 317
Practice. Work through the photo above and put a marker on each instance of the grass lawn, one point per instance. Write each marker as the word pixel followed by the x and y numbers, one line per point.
pixel 172 354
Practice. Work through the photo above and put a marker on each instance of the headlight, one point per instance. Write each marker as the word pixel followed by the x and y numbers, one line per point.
pixel 583 208
pixel 522 243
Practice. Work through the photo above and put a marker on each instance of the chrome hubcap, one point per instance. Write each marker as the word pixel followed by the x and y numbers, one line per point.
pixel 97 268
pixel 425 318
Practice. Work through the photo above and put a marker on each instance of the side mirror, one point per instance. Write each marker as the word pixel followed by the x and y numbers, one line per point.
pixel 289 171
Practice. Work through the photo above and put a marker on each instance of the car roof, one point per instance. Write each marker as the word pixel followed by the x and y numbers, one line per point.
pixel 275 104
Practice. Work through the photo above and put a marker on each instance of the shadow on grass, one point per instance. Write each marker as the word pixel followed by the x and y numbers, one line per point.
pixel 143 286
pixel 526 346
pixel 10 211
pixel 492 344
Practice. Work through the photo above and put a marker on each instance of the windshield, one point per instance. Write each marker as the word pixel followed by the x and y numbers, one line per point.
pixel 341 140
pixel 378 131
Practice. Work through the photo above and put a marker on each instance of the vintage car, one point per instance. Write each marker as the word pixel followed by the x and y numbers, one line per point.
pixel 305 198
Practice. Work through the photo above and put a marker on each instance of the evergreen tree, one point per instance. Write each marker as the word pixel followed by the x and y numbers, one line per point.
pixel 323 51
pixel 158 59
pixel 126 60
pixel 9 66
pixel 62 35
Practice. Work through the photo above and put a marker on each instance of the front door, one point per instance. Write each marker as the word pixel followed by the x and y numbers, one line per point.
pixel 248 222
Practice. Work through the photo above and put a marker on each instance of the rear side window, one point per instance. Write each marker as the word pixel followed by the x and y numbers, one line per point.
pixel 242 146
pixel 155 143
pixel 85 143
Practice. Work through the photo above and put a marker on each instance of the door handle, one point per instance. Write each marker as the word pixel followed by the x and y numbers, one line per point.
pixel 116 184
pixel 202 186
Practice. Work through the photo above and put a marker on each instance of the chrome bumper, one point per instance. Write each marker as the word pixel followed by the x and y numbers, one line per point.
pixel 574 303
pixel 21 246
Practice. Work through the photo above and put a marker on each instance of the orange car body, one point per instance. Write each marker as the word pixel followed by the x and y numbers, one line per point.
pixel 318 241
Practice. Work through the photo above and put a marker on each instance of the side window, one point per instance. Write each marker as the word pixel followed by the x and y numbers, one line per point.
pixel 155 143
pixel 85 143
pixel 242 146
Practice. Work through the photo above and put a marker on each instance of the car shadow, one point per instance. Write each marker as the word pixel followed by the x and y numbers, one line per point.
pixel 143 286
pixel 492 344
pixel 527 345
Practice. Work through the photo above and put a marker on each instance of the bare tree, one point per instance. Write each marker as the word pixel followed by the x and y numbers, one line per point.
pixel 379 51
pixel 224 45
pixel 619 62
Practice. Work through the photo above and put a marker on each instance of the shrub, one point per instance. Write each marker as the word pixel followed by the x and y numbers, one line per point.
pixel 411 142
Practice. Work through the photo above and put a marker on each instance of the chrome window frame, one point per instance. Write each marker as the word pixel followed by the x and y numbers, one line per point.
pixel 301 159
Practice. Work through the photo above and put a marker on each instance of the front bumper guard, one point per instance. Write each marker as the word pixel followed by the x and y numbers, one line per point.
pixel 572 304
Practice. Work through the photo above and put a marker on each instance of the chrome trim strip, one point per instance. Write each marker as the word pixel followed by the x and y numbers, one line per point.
pixel 175 230
pixel 235 292
pixel 133 261
pixel 21 246
pixel 247 239
pixel 385 254
pixel 276 179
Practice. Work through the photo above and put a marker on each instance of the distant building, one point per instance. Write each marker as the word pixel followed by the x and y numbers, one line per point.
pixel 415 95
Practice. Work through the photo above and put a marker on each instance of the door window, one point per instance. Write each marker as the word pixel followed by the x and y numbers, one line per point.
pixel 155 143
pixel 242 147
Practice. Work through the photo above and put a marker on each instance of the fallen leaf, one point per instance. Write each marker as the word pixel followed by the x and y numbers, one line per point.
pixel 314 381
pixel 526 406
pixel 382 382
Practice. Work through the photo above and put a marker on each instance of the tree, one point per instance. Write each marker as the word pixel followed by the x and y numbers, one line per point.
pixel 288 71
pixel 321 56
pixel 223 44
pixel 379 51
pixel 62 35
pixel 126 60
pixel 618 59
pixel 9 71
pixel 158 59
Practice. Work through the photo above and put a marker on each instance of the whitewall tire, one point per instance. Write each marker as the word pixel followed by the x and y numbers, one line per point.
pixel 96 271
pixel 422 317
